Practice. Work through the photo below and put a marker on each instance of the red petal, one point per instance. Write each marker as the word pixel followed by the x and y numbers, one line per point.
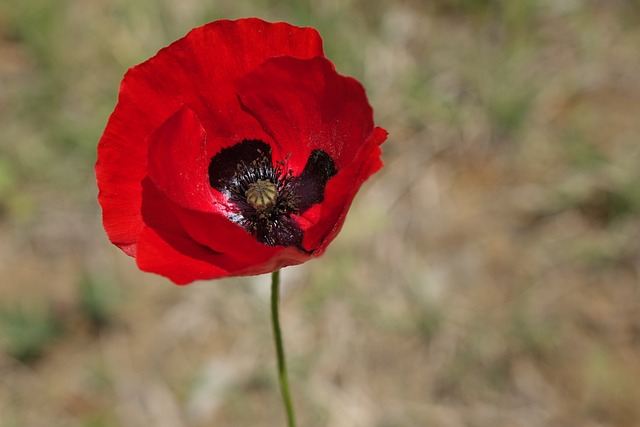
pixel 305 105
pixel 207 236
pixel 245 255
pixel 197 71
pixel 178 162
pixel 328 217
pixel 183 260
pixel 180 259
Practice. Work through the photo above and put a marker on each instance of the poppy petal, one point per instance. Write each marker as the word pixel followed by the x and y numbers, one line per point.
pixel 178 163
pixel 180 259
pixel 326 219
pixel 305 105
pixel 245 255
pixel 227 245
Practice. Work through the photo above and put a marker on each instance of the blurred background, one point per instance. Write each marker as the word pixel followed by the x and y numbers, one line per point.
pixel 487 276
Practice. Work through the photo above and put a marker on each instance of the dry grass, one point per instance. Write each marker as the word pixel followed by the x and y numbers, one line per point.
pixel 488 276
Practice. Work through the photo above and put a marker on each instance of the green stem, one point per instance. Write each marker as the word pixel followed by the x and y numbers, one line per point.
pixel 277 336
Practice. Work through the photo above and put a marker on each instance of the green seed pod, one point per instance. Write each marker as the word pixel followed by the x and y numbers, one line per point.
pixel 262 194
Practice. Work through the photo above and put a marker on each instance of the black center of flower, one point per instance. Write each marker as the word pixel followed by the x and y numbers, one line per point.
pixel 264 195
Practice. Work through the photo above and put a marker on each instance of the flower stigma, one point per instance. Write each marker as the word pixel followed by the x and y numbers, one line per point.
pixel 262 194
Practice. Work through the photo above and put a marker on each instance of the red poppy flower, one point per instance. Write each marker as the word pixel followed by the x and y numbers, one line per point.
pixel 236 150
